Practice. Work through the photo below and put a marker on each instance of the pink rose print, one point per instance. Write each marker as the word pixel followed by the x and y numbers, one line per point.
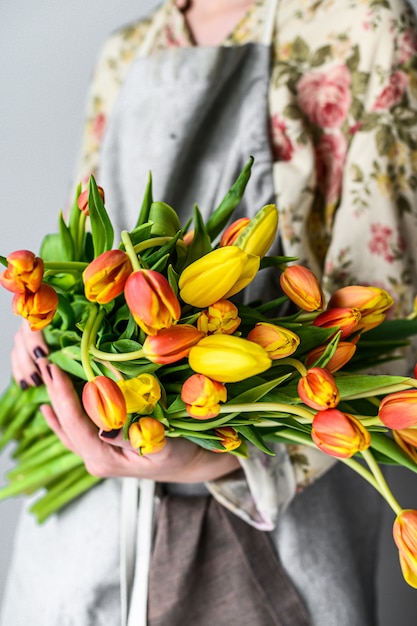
pixel 281 145
pixel 99 123
pixel 330 159
pixel 379 245
pixel 325 97
pixel 408 45
pixel 392 93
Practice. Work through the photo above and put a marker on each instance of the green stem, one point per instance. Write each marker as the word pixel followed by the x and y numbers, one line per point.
pixel 81 233
pixel 259 407
pixel 156 241
pixel 379 391
pixel 383 487
pixel 301 369
pixel 85 343
pixel 130 251
pixel 116 356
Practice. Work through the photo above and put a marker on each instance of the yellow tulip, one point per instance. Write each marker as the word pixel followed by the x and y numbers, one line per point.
pixel 202 395
pixel 220 317
pixel 259 235
pixel 227 358
pixel 147 435
pixel 141 393
pixel 405 537
pixel 24 272
pixel 217 275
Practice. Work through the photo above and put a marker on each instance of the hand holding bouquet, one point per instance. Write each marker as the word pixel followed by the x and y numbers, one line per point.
pixel 159 343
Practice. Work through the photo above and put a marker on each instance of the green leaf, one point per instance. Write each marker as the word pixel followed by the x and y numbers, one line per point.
pixel 221 215
pixel 146 203
pixel 356 384
pixel 201 242
pixel 165 221
pixel 300 50
pixel 385 140
pixel 101 226
pixel 388 447
pixel 251 434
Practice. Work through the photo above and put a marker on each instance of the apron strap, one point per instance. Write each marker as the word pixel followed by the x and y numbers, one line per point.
pixel 207 562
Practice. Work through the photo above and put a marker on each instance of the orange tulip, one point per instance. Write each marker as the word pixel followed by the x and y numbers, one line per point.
pixel 302 287
pixel 278 342
pixel 106 276
pixel 220 317
pixel 405 537
pixel 151 301
pixel 318 389
pixel 342 355
pixel 169 345
pixel 202 396
pixel 83 200
pixel 147 435
pixel 24 272
pixel 38 308
pixel 104 403
pixel 339 318
pixel 229 438
pixel 231 233
pixel 407 440
pixel 399 410
pixel 339 434
pixel 372 302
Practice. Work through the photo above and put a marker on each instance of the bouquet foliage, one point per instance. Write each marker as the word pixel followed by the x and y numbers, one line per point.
pixel 159 342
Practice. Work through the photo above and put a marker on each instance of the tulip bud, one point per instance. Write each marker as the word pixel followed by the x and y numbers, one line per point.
pixel 339 434
pixel 151 301
pixel 302 287
pixel 340 318
pixel 83 200
pixel 405 537
pixel 104 403
pixel 147 435
pixel 229 438
pixel 372 303
pixel 220 317
pixel 201 396
pixel 258 236
pixel 227 358
pixel 217 275
pixel 231 233
pixel 169 345
pixel 318 389
pixel 141 393
pixel 278 342
pixel 24 272
pixel 106 276
pixel 38 308
pixel 342 355
pixel 399 410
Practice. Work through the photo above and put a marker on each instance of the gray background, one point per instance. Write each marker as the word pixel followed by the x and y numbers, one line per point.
pixel 47 52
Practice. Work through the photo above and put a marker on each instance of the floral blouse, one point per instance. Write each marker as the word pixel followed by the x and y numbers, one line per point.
pixel 343 124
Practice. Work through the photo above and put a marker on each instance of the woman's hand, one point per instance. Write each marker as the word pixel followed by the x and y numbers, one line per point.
pixel 179 461
pixel 28 346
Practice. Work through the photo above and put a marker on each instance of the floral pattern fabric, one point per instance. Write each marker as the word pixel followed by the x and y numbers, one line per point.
pixel 343 127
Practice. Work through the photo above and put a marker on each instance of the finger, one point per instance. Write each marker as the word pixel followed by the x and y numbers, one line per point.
pixel 24 369
pixel 53 423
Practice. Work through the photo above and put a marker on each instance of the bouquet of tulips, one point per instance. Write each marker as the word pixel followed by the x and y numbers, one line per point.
pixel 157 345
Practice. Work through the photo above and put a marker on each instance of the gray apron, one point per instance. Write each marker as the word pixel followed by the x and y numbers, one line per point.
pixel 193 116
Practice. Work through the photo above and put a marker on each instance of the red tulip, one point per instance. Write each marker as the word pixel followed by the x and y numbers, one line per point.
pixel 231 233
pixel 106 276
pixel 318 389
pixel 169 345
pixel 278 342
pixel 339 434
pixel 151 301
pixel 399 410
pixel 202 396
pixel 104 403
pixel 372 303
pixel 339 318
pixel 342 355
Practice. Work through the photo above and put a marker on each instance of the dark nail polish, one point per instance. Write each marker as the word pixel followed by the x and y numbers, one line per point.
pixel 23 385
pixel 36 379
pixel 109 434
pixel 39 352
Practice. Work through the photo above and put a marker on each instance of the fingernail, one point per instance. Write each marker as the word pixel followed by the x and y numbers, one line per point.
pixel 23 385
pixel 39 352
pixel 109 434
pixel 36 379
